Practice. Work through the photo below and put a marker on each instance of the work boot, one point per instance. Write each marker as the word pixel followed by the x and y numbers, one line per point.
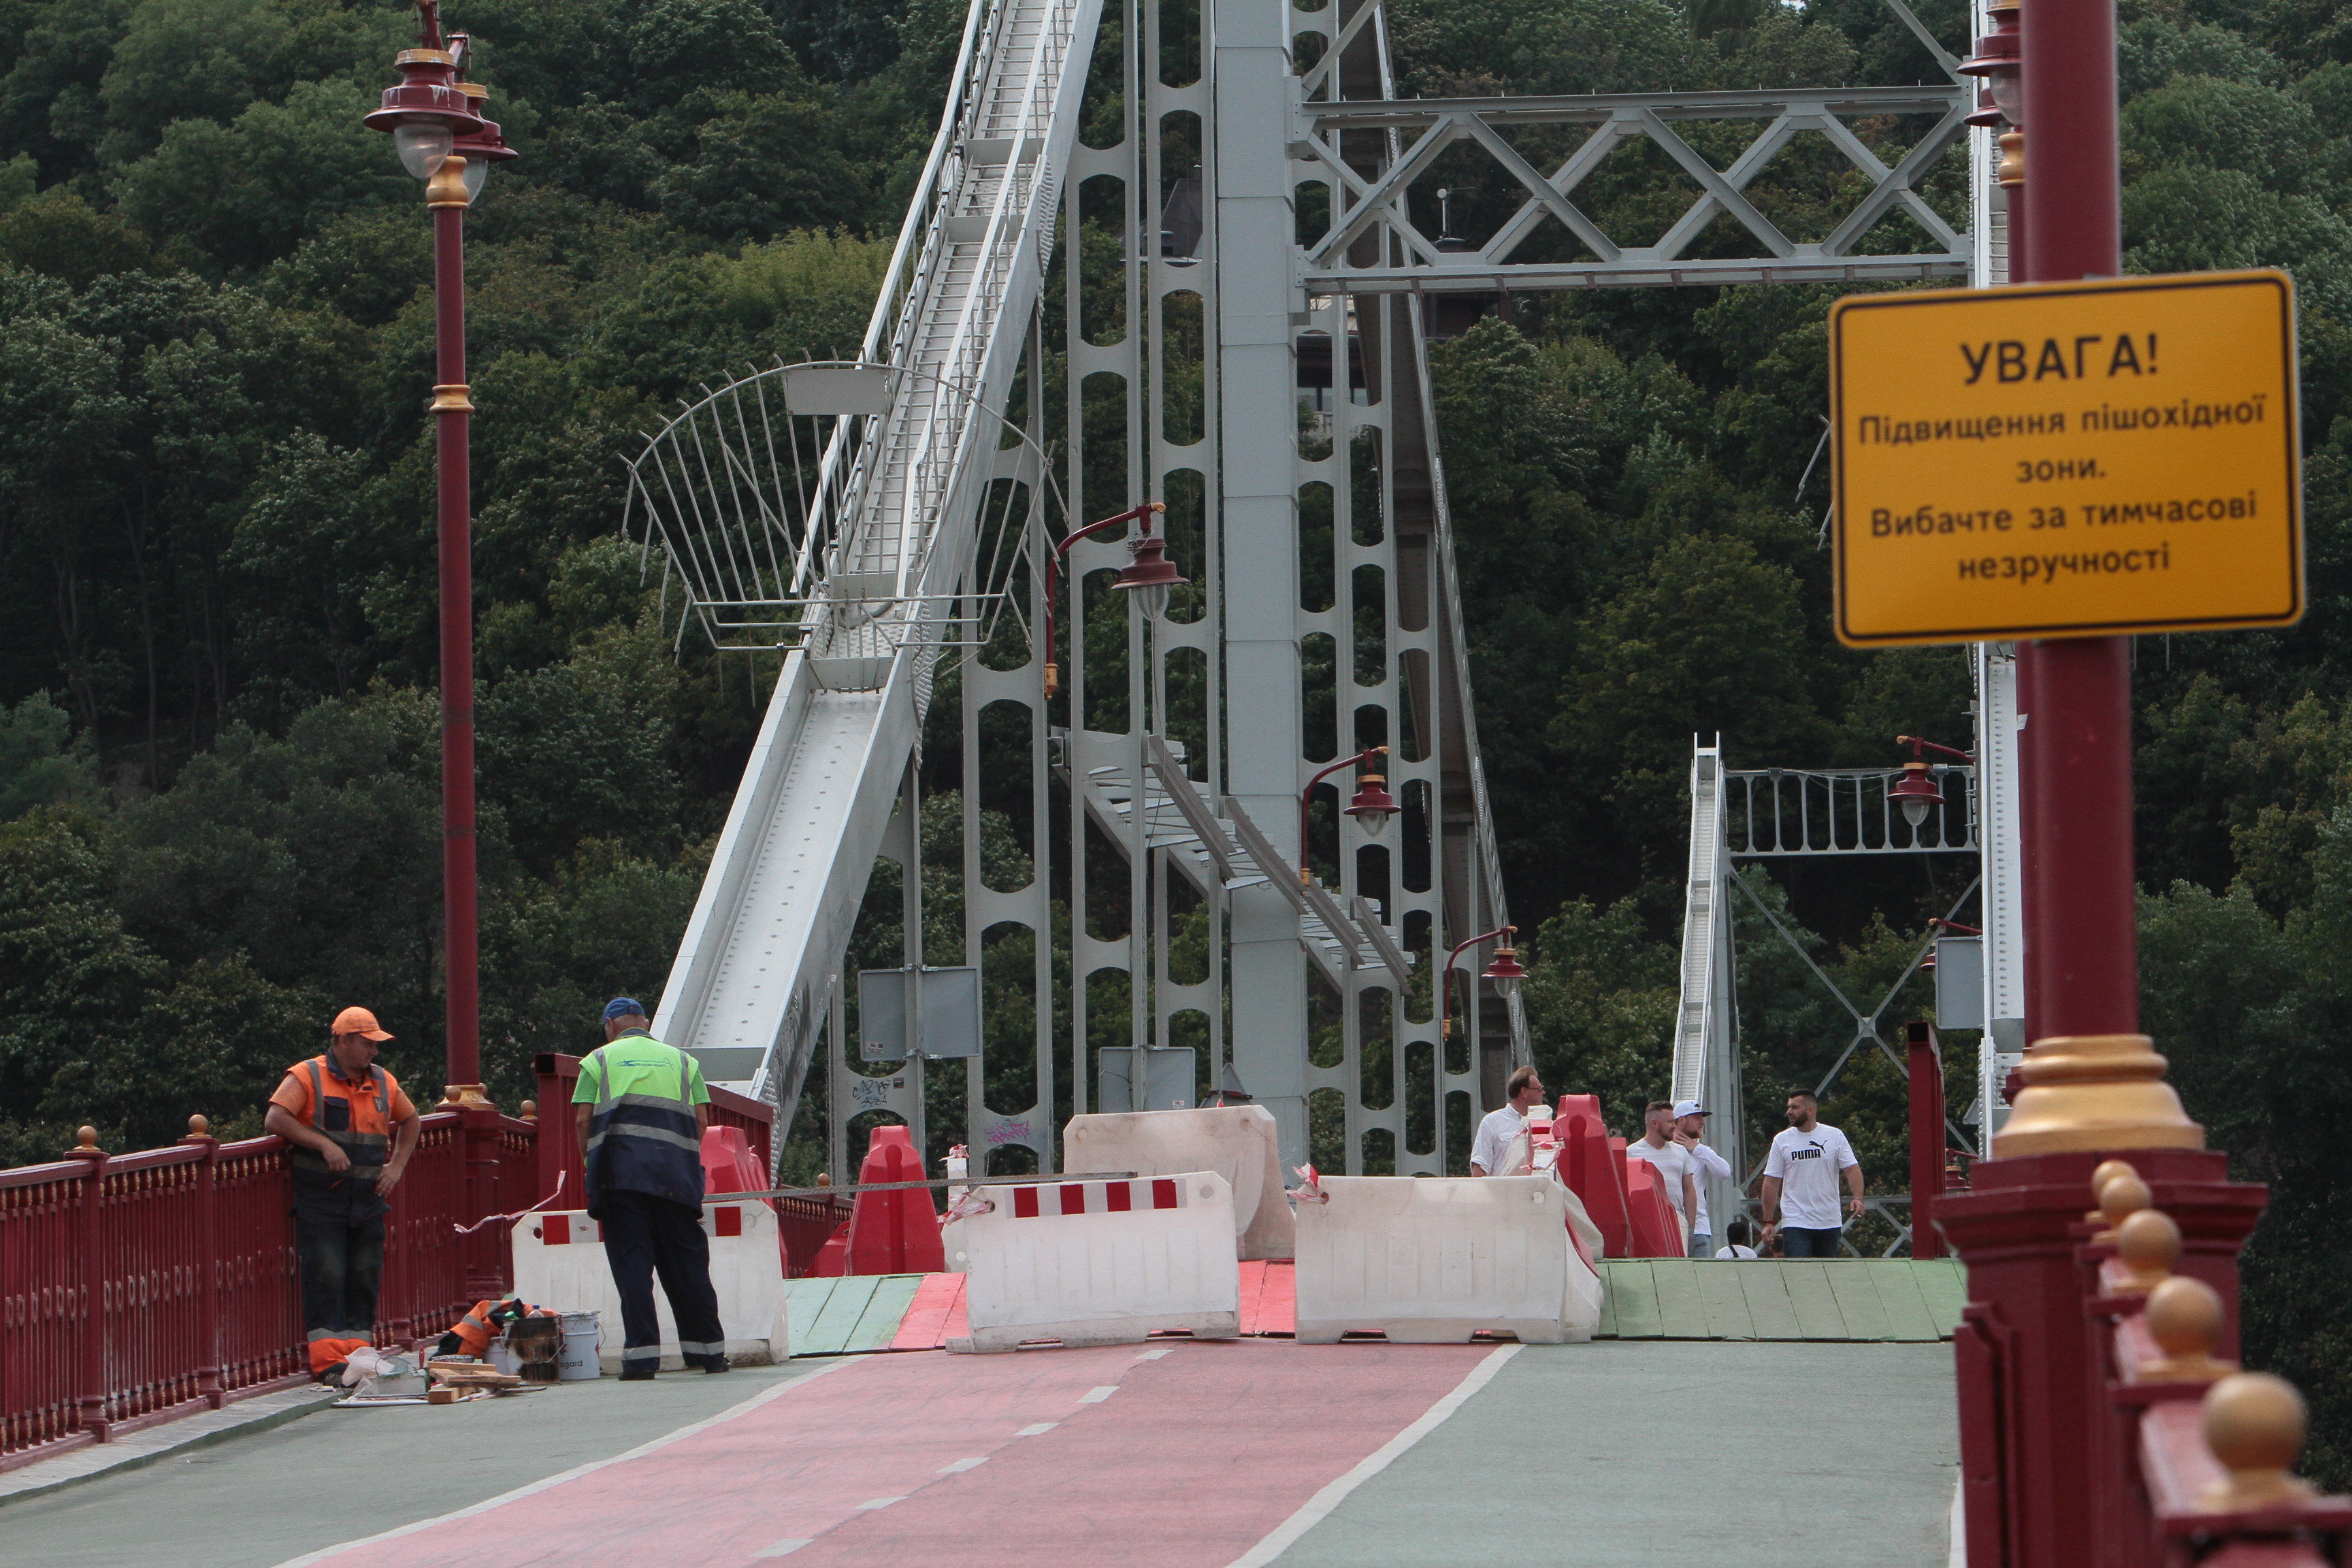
pixel 713 1363
pixel 640 1372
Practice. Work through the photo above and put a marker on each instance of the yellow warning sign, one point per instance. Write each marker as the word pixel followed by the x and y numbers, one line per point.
pixel 2067 460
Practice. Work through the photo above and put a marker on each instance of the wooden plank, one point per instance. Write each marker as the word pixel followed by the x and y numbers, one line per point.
pixel 1811 1297
pixel 1907 1317
pixel 1857 1299
pixel 1277 1299
pixel 1726 1303
pixel 877 1325
pixel 1944 1284
pixel 804 1301
pixel 924 1328
pixel 832 1327
pixel 1252 1286
pixel 1608 1327
pixel 1682 1313
pixel 1637 1300
pixel 1765 1287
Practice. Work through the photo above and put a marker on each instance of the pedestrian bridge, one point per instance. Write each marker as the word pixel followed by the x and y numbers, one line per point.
pixel 1179 1453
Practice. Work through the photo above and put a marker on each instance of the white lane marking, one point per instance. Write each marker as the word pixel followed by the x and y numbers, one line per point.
pixel 1155 1355
pixel 785 1548
pixel 577 1470
pixel 1319 1508
pixel 1040 1427
pixel 1097 1396
pixel 962 1464
pixel 874 1502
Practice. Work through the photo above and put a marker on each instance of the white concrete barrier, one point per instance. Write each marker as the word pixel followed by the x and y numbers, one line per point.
pixel 559 1262
pixel 1234 1141
pixel 1101 1262
pixel 1435 1259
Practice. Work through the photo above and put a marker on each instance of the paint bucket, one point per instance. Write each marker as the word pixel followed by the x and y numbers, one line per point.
pixel 578 1360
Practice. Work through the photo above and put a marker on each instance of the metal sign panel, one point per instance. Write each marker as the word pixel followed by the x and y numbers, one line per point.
pixel 1960 983
pixel 2071 459
pixel 951 1025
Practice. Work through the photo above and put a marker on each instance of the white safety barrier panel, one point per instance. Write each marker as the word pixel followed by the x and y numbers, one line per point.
pixel 1234 1141
pixel 1101 1262
pixel 559 1262
pixel 1435 1259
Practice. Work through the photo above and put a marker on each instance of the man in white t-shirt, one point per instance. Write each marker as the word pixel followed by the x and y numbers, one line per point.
pixel 1800 1182
pixel 1676 1170
pixel 1735 1242
pixel 1690 1120
pixel 1490 1152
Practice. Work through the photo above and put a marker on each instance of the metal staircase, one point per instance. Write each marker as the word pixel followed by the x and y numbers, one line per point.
pixel 888 530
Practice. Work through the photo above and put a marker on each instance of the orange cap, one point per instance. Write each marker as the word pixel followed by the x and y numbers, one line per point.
pixel 359 1021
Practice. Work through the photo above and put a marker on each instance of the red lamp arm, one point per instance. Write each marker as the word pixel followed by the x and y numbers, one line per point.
pixel 1307 796
pixel 1144 512
pixel 1445 976
pixel 1916 742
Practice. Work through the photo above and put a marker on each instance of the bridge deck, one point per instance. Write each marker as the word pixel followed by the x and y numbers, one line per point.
pixel 1647 1299
pixel 1184 1454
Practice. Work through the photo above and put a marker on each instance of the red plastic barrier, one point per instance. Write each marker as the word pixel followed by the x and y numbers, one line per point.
pixel 1656 1232
pixel 1596 1176
pixel 894 1233
pixel 833 1257
pixel 727 1164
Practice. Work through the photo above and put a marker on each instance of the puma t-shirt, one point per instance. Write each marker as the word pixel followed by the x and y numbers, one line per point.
pixel 1807 1165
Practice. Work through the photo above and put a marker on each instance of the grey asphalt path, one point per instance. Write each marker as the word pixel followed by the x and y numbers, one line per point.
pixel 1633 1454
pixel 256 1500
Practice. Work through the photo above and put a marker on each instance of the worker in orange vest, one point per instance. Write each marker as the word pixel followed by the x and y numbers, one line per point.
pixel 353 1132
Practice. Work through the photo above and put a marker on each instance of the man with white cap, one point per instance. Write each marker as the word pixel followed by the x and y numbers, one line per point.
pixel 1690 1120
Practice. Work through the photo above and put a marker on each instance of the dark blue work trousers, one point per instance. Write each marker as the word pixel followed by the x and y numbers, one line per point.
pixel 645 1236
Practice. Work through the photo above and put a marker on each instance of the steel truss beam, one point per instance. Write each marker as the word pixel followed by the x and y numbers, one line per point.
pixel 1426 128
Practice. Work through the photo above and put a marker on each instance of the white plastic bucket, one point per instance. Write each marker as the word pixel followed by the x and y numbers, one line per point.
pixel 577 1361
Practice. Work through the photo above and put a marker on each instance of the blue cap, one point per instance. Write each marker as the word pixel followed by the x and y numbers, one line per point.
pixel 624 1007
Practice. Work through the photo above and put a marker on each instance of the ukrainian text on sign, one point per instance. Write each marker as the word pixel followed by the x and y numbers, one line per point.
pixel 2066 459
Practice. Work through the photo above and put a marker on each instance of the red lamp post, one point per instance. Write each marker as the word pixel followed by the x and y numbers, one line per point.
pixel 432 116
pixel 1999 63
pixel 1371 805
pixel 1149 575
pixel 1915 792
pixel 1504 972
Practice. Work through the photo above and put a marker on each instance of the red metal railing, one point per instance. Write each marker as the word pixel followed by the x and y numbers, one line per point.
pixel 2092 1436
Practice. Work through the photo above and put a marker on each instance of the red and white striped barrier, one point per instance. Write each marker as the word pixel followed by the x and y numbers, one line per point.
pixel 558 1261
pixel 1101 1262
pixel 1237 1142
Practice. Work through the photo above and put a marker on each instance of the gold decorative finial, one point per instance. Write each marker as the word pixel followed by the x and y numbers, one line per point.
pixel 85 1142
pixel 2012 159
pixel 446 188
pixel 463 1097
pixel 2254 1424
pixel 2184 1318
pixel 2108 1171
pixel 2094 1092
pixel 530 1111
pixel 199 1126
pixel 2148 1244
pixel 2121 1198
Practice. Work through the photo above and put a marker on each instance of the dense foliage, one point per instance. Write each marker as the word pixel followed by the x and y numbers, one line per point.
pixel 219 741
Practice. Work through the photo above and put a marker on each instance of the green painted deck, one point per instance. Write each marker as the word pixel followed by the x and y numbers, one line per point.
pixel 1895 1300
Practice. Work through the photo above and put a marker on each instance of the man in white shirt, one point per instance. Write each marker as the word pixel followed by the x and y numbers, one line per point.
pixel 1690 1120
pixel 1490 1152
pixel 1735 1247
pixel 1800 1183
pixel 1676 1170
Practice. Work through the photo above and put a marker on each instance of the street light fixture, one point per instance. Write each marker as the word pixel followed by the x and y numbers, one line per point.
pixel 1149 575
pixel 1915 791
pixel 433 118
pixel 1504 972
pixel 1998 60
pixel 1371 805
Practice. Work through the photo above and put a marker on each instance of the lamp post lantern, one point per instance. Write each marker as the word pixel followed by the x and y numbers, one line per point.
pixel 1504 972
pixel 1148 575
pixel 440 136
pixel 1371 805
